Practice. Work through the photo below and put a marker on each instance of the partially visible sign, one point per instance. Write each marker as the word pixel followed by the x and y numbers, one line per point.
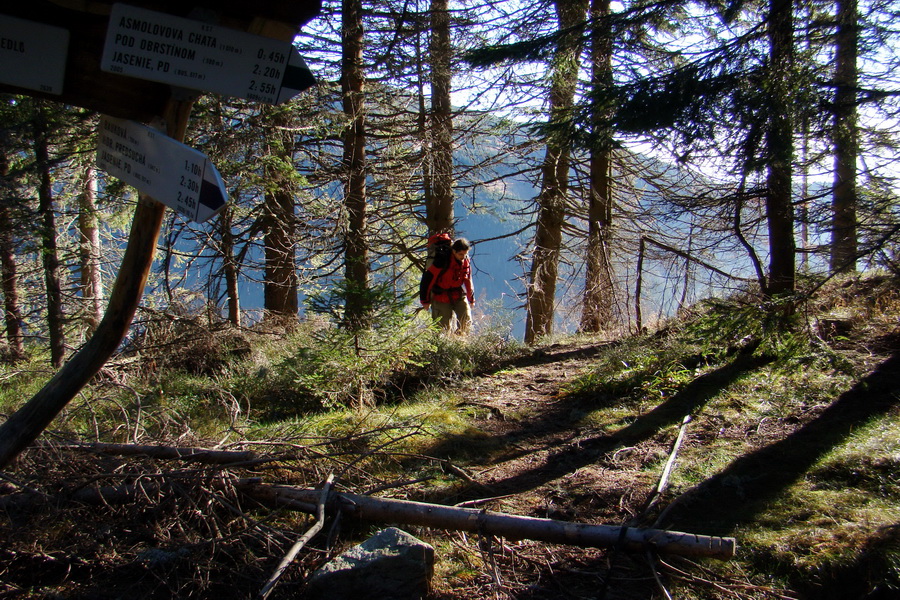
pixel 33 55
pixel 166 170
pixel 168 49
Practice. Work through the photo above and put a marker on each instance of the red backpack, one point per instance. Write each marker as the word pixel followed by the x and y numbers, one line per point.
pixel 439 251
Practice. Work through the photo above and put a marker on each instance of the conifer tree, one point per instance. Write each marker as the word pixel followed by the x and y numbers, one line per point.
pixel 356 255
pixel 41 126
pixel 9 277
pixel 439 207
pixel 599 294
pixel 541 293
pixel 844 252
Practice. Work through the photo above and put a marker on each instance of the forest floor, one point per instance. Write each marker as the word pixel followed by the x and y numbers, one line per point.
pixel 530 447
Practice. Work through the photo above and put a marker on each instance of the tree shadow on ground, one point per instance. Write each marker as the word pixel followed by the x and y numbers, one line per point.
pixel 579 453
pixel 743 489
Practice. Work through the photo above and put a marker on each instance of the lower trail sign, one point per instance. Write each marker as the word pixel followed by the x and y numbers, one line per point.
pixel 166 170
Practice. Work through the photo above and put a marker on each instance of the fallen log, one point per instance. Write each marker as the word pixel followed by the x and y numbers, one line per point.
pixel 392 511
pixel 387 510
pixel 202 455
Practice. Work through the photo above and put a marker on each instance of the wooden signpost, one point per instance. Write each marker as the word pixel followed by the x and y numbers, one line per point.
pixel 84 83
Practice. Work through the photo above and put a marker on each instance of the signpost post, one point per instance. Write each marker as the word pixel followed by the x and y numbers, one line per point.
pixel 193 54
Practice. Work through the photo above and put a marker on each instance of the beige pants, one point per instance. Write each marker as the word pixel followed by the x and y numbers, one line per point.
pixel 445 311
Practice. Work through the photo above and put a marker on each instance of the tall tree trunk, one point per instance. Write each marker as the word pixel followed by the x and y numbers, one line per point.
pixel 12 315
pixel 844 201
pixel 229 265
pixel 280 287
pixel 780 150
pixel 91 281
pixel 357 308
pixel 439 212
pixel 48 237
pixel 596 310
pixel 423 124
pixel 554 176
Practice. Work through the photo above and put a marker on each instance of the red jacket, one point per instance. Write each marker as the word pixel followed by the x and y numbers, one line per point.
pixel 447 285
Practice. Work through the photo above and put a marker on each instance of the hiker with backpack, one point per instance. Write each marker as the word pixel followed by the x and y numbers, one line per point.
pixel 446 285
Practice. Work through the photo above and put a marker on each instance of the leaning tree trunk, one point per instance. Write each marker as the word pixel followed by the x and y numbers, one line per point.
pixel 439 211
pixel 846 134
pixel 554 176
pixel 48 237
pixel 780 146
pixel 356 255
pixel 596 313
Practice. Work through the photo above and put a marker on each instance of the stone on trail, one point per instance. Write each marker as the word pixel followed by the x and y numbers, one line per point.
pixel 391 565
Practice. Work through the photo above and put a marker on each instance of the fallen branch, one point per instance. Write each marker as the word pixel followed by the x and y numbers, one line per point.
pixel 216 457
pixel 664 478
pixel 310 534
pixel 386 510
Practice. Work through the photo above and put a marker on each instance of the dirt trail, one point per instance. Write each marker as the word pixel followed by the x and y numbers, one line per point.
pixel 530 448
pixel 529 453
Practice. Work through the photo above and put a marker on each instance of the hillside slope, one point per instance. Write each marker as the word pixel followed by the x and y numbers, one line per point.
pixel 724 423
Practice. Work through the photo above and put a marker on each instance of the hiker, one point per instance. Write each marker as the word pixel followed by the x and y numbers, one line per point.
pixel 446 287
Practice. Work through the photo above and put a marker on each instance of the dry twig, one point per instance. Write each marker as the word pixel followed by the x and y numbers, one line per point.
pixel 295 549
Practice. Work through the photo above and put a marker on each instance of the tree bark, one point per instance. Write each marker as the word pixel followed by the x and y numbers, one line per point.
pixel 846 136
pixel 27 423
pixel 596 313
pixel 89 251
pixel 229 266
pixel 780 150
pixel 48 236
pixel 356 256
pixel 541 290
pixel 9 279
pixel 439 212
pixel 280 285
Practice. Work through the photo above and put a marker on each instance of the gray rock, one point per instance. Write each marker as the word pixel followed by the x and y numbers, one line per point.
pixel 391 565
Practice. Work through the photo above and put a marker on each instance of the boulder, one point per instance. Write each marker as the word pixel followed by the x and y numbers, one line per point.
pixel 391 565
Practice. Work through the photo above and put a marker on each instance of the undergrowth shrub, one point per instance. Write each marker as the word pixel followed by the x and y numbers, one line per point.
pixel 451 357
pixel 188 339
pixel 654 365
pixel 712 334
pixel 339 365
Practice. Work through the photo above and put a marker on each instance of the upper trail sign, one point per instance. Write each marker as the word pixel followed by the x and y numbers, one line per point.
pixel 85 23
pixel 193 54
